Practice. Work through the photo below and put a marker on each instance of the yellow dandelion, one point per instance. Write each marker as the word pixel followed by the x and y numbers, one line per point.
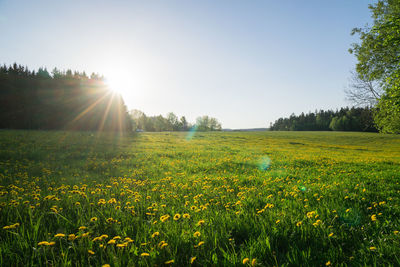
pixel 82 228
pixel 43 243
pixel 396 232
pixel 192 259
pixel 245 260
pixel 330 235
pixel 155 234
pixel 253 262
pixel 199 244
pixel 328 263
pixel 196 234
pixel 278 221
pixel 373 217
pixel 71 237
pixel 91 252
pixel 169 262
pixel 111 242
pixel 59 235
pixel 52 243
pixel 177 217
pixel 201 222
pixel 106 265
pixel 372 248
pixel 93 219
pixel 299 223
pixel 144 254
pixel 186 216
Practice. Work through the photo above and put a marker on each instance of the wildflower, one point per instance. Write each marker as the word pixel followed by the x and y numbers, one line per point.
pixel 82 228
pixel 253 262
pixel 93 219
pixel 328 263
pixel 122 245
pixel 106 265
pixel 52 243
pixel 330 235
pixel 116 237
pixel 373 217
pixel 186 216
pixel 199 244
pixel 71 237
pixel 201 222
pixel 163 244
pixel 59 235
pixel 111 242
pixel 299 223
pixel 372 248
pixel 155 234
pixel 177 217
pixel 91 252
pixel 395 232
pixel 196 234
pixel 144 254
pixel 192 259
pixel 164 218
pixel 245 260
pixel 45 243
pixel 169 262
pixel 278 221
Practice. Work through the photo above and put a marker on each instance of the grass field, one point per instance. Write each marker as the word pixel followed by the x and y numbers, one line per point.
pixel 218 199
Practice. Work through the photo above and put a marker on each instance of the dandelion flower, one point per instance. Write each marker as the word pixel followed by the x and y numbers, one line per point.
pixel 192 259
pixel 91 252
pixel 373 217
pixel 186 216
pixel 328 263
pixel 169 262
pixel 155 234
pixel 201 222
pixel 196 234
pixel 93 219
pixel 245 260
pixel 177 217
pixel 372 248
pixel 145 254
pixel 59 235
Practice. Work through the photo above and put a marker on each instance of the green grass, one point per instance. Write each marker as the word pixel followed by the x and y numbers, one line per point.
pixel 276 198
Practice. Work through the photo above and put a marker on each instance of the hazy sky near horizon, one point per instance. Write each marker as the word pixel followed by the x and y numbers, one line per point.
pixel 245 62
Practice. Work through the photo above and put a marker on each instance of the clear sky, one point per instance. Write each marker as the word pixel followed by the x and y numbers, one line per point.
pixel 245 62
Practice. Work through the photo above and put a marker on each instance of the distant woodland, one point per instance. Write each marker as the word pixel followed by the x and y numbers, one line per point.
pixel 346 119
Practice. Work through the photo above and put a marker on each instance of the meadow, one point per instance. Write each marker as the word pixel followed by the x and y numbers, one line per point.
pixel 210 199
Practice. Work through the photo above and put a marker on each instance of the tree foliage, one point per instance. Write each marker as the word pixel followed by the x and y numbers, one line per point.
pixel 355 119
pixel 60 100
pixel 171 122
pixel 378 56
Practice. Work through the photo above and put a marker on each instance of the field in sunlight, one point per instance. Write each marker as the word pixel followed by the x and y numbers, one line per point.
pixel 221 199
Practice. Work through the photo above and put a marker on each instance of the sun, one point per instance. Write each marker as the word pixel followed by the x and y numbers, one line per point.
pixel 119 81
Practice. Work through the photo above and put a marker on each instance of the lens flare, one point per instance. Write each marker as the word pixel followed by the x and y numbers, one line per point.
pixel 302 188
pixel 191 133
pixel 264 163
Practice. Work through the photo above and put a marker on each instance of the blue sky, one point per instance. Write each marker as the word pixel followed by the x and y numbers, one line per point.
pixel 245 62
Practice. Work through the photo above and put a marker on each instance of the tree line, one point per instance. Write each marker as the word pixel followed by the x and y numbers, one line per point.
pixel 345 119
pixel 64 100
pixel 142 122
